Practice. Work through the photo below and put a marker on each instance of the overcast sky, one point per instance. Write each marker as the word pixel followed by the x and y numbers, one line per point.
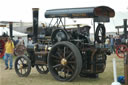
pixel 16 10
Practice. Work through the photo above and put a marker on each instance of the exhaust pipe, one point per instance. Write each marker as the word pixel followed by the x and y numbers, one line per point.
pixel 35 24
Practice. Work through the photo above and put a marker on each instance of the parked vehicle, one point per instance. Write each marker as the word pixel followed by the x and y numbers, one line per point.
pixel 67 53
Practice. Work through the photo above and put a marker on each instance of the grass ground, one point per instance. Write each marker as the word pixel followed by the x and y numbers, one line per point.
pixel 9 77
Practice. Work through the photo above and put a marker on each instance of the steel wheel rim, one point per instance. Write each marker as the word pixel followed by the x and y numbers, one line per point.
pixel 22 66
pixel 62 62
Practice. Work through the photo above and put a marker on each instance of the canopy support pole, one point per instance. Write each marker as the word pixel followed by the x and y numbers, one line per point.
pixel 11 29
pixel 94 30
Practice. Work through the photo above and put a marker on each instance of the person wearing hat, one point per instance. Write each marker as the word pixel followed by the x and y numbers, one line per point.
pixel 9 50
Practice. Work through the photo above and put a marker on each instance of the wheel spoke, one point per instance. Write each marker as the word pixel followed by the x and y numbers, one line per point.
pixel 71 70
pixel 68 73
pixel 59 54
pixel 64 51
pixel 59 68
pixel 71 62
pixel 69 55
pixel 18 64
pixel 58 65
pixel 57 61
pixel 25 70
pixel 100 30
pixel 56 57
pixel 21 61
pixel 21 70
pixel 62 70
pixel 43 68
pixel 25 65
pixel 65 72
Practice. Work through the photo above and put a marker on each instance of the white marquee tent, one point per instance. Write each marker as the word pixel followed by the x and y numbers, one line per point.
pixel 15 34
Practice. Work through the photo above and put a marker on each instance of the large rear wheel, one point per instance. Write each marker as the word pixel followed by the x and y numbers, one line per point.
pixel 64 61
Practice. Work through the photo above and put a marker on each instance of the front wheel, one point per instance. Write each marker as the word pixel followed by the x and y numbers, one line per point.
pixel 64 61
pixel 22 66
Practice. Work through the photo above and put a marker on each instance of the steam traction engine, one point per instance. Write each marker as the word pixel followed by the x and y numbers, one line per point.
pixel 69 52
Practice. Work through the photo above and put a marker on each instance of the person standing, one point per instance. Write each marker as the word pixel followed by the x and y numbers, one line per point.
pixel 112 41
pixel 30 41
pixel 18 41
pixel 9 50
pixel 107 42
pixel 117 41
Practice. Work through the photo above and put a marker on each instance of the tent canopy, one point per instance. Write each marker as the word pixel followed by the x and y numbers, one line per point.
pixel 15 33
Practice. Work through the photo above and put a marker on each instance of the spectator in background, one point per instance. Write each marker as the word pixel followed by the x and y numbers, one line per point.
pixel 123 40
pixel 18 40
pixel 112 40
pixel 22 42
pixel 117 40
pixel 9 50
pixel 107 42
pixel 30 40
pixel 20 48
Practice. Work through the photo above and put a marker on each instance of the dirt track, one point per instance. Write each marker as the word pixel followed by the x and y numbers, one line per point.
pixel 9 77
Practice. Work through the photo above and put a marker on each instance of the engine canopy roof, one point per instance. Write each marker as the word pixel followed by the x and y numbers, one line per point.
pixel 84 12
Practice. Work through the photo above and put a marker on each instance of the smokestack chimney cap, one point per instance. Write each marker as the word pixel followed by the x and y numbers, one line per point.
pixel 35 9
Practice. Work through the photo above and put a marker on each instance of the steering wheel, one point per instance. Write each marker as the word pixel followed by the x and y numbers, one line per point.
pixel 100 33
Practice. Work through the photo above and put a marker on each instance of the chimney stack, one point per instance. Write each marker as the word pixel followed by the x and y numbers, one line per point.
pixel 35 23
